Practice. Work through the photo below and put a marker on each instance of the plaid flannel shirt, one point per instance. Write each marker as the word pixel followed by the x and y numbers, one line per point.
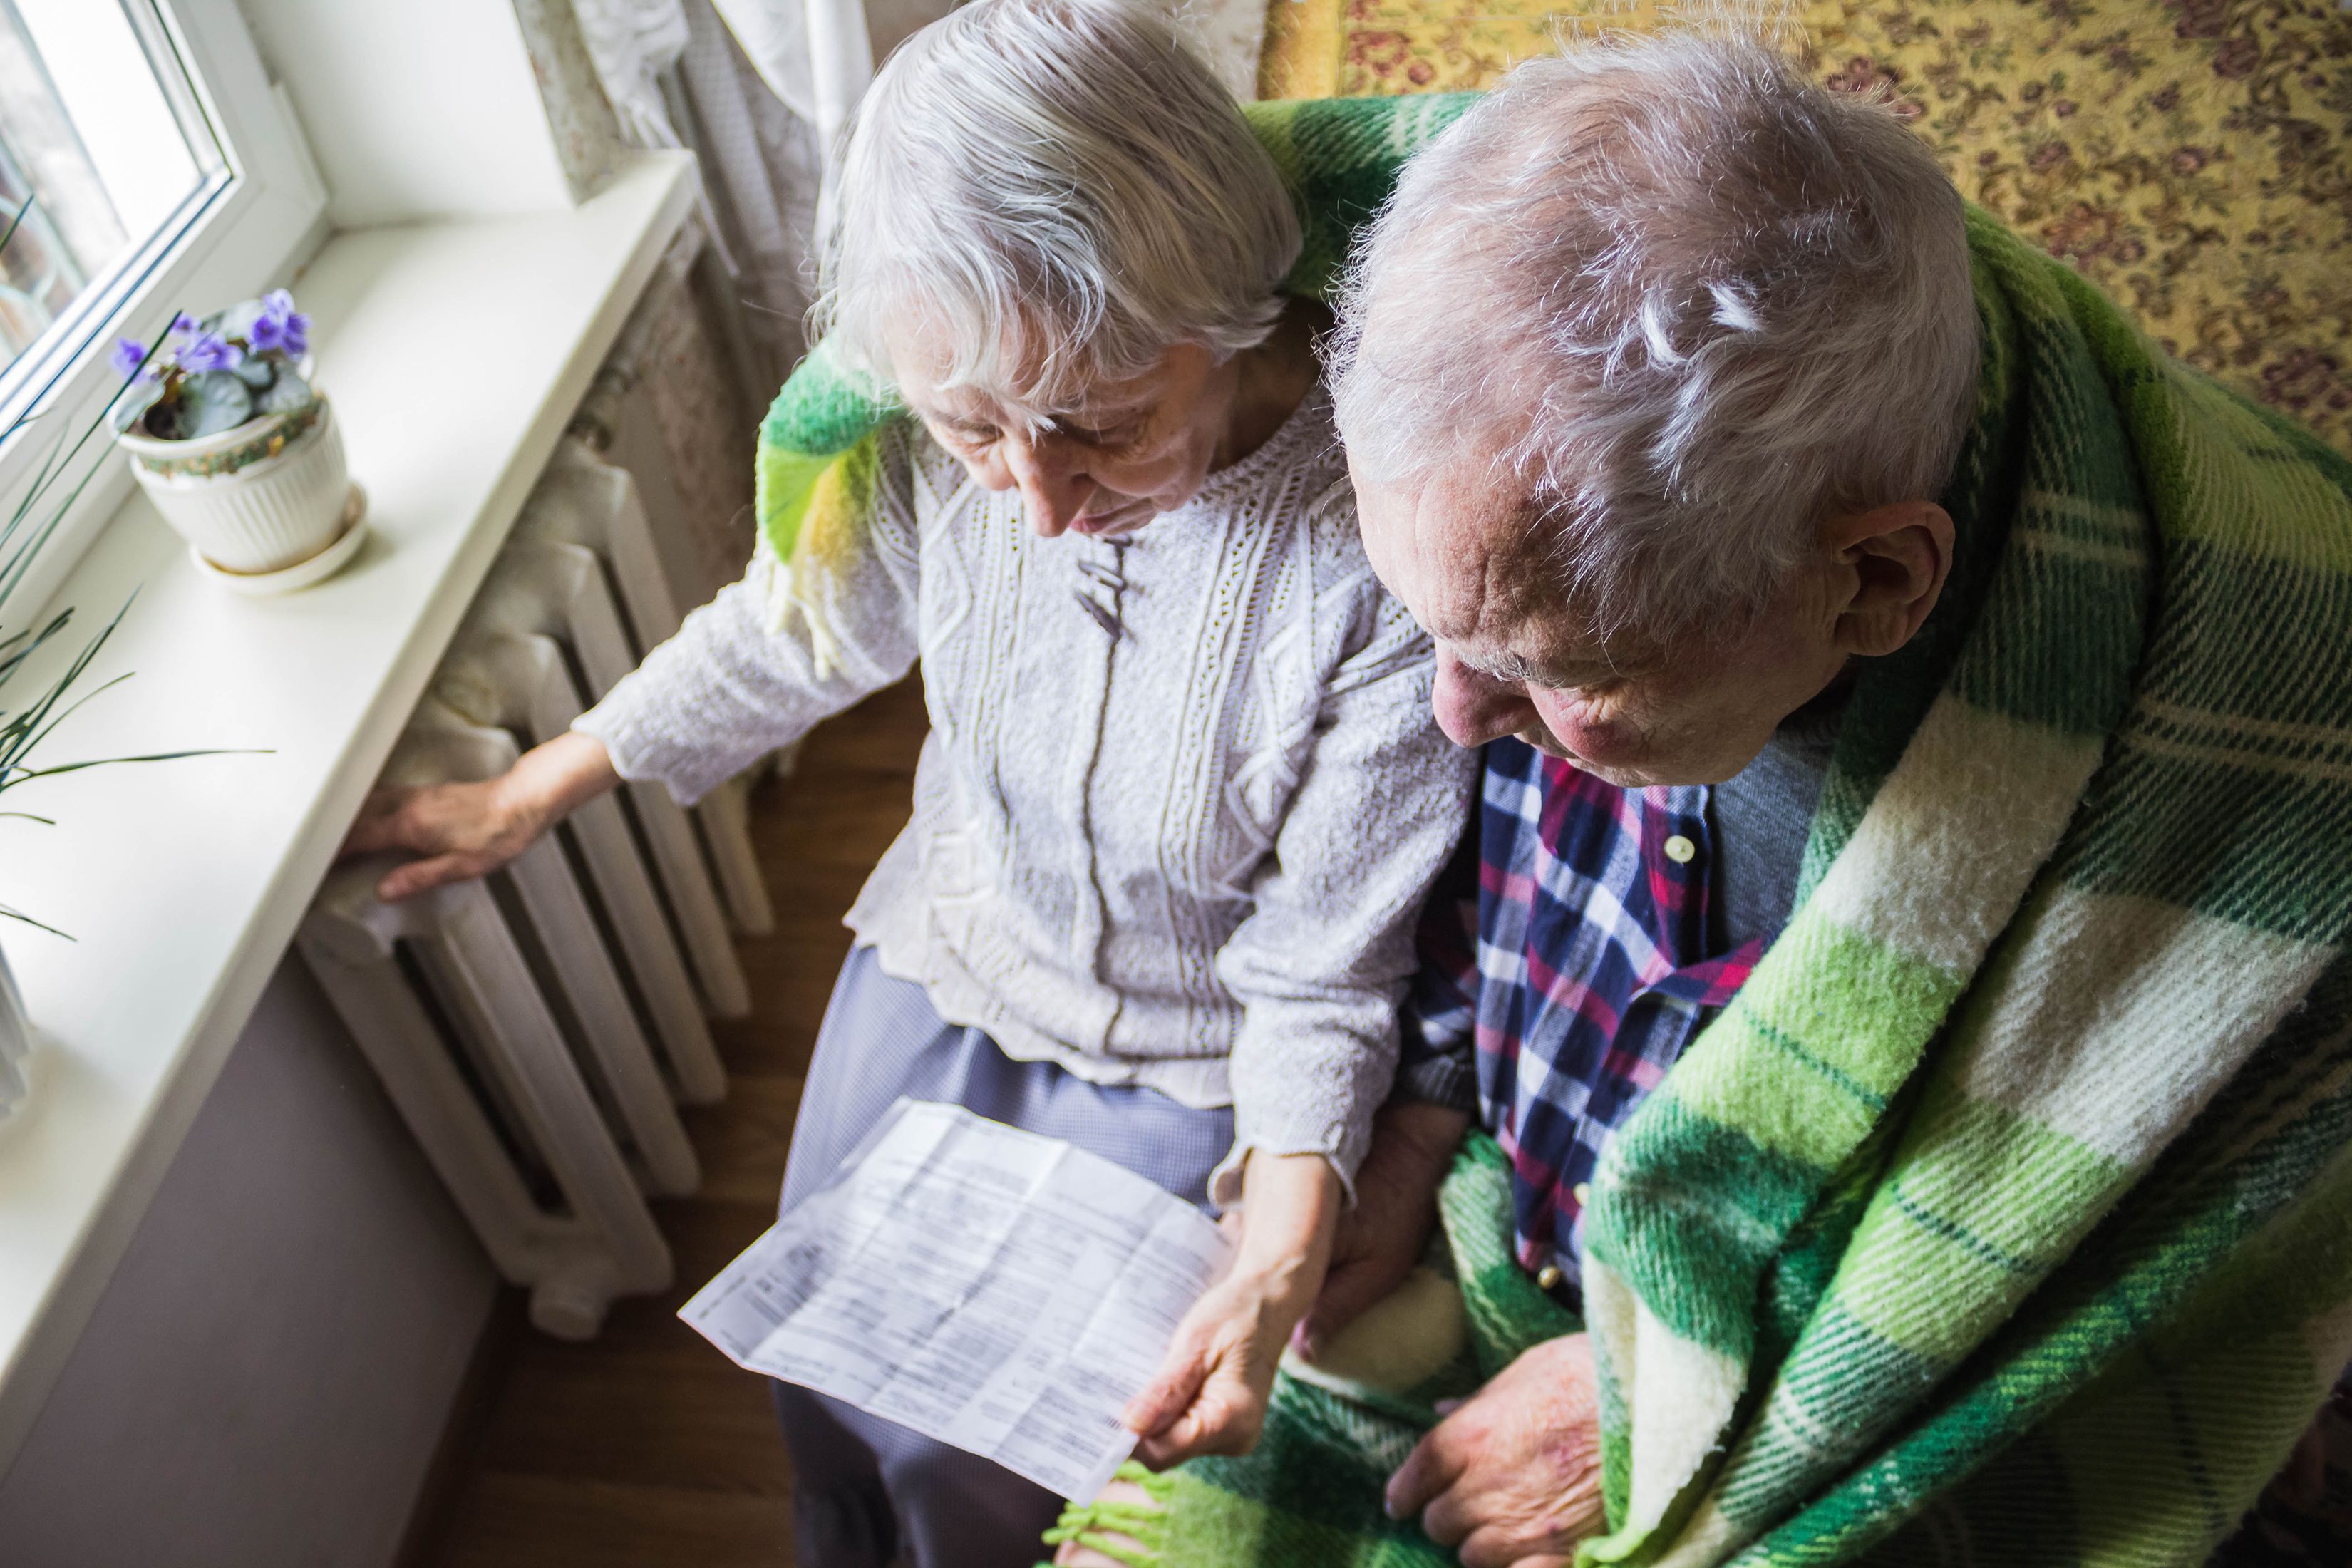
pixel 1568 975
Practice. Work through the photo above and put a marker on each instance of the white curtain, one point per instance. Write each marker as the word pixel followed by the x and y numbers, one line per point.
pixel 762 165
pixel 759 89
pixel 632 42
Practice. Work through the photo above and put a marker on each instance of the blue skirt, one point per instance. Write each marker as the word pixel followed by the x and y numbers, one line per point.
pixel 881 1040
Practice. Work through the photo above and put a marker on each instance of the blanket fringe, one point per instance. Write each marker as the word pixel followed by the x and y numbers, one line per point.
pixel 1141 1538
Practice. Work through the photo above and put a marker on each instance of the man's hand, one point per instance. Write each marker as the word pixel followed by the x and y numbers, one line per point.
pixel 1512 1476
pixel 466 830
pixel 1381 1238
pixel 1211 1393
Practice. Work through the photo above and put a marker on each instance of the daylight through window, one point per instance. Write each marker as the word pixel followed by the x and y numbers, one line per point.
pixel 104 152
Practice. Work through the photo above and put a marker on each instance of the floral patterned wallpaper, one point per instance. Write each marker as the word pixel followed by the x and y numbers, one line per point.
pixel 2194 157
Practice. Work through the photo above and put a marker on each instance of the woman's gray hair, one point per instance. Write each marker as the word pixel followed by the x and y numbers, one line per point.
pixel 1057 192
pixel 1690 302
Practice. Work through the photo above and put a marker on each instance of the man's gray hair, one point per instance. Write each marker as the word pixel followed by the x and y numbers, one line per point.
pixel 1054 193
pixel 1687 300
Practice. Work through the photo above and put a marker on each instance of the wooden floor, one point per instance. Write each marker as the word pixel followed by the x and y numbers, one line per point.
pixel 647 1447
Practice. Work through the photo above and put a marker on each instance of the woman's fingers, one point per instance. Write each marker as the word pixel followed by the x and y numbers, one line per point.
pixel 1223 1419
pixel 459 830
pixel 1200 1402
pixel 1172 1392
pixel 382 823
pixel 424 876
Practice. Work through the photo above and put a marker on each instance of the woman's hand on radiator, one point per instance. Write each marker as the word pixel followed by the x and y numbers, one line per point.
pixel 460 831
pixel 1211 1393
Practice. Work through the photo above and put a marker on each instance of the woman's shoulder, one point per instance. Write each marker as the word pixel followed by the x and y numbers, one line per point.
pixel 1334 538
pixel 924 477
pixel 907 447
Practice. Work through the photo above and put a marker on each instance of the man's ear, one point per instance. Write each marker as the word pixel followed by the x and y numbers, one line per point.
pixel 1899 555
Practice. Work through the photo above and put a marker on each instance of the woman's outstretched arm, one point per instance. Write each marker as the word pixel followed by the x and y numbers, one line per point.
pixel 747 673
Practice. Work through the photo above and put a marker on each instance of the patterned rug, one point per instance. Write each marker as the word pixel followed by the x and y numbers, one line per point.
pixel 2193 157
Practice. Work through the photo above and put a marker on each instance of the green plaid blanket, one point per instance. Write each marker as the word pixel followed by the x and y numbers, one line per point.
pixel 2006 1216
pixel 1310 1493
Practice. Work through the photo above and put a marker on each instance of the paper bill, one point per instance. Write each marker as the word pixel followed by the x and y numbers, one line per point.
pixel 996 1290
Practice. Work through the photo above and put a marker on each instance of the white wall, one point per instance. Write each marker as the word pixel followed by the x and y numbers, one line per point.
pixel 267 1375
pixel 414 109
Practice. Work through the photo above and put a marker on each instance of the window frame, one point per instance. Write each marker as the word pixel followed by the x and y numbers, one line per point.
pixel 247 233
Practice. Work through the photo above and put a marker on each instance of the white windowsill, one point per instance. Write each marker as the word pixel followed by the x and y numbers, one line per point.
pixel 456 353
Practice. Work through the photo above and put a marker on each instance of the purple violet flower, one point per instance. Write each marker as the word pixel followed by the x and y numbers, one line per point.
pixel 211 351
pixel 128 356
pixel 182 325
pixel 266 332
pixel 277 303
pixel 297 335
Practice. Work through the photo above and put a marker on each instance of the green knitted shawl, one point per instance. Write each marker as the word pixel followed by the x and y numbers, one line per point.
pixel 2006 1214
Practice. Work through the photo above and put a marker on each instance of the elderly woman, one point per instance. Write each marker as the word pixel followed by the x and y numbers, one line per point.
pixel 1183 794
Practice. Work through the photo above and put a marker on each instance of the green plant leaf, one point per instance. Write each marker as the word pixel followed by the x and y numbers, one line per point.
pixel 255 371
pixel 211 402
pixel 219 400
pixel 16 553
pixel 16 649
pixel 132 403
pixel 288 394
pixel 26 775
pixel 22 733
pixel 13 222
pixel 8 914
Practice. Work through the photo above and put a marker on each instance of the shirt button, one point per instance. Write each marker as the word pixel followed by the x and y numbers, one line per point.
pixel 1548 1277
pixel 1582 1192
pixel 1680 849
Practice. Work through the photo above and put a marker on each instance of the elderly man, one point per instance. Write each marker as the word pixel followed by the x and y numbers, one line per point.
pixel 1650 582
pixel 1904 974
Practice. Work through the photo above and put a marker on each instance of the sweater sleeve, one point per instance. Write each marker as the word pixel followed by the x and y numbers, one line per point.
pixel 1437 1025
pixel 1323 957
pixel 738 680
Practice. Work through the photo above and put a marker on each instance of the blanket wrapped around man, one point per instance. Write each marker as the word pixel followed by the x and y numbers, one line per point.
pixel 2005 1217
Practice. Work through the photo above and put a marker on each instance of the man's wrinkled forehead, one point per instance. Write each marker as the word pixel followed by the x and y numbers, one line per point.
pixel 1462 547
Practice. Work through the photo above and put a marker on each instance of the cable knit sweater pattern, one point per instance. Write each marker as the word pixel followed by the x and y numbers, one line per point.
pixel 1182 796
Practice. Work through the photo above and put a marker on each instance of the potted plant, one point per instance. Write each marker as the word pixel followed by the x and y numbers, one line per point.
pixel 30 710
pixel 236 447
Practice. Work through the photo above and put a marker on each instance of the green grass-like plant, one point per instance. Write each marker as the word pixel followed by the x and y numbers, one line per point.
pixel 29 712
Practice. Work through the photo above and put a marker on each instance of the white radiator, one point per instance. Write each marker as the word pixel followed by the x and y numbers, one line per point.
pixel 524 684
pixel 582 499
pixel 492 1012
pixel 537 1028
pixel 542 588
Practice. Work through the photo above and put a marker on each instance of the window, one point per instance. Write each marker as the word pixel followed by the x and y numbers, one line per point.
pixel 103 152
pixel 147 167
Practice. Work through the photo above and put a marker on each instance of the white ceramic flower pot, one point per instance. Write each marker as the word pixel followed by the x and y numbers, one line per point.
pixel 263 497
pixel 16 1041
